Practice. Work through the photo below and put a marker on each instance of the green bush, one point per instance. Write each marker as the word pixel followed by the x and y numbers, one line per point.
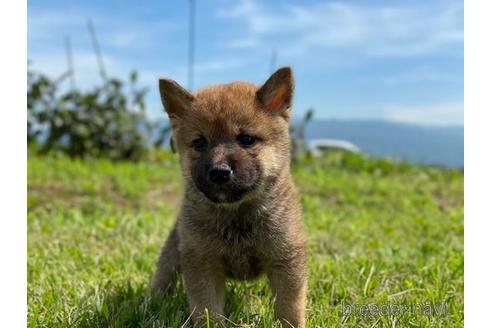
pixel 108 121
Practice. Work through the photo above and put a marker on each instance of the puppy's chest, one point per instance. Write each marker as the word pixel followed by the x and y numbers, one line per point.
pixel 237 232
pixel 241 248
pixel 244 264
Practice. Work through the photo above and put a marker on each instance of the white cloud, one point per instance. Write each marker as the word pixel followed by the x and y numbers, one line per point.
pixel 179 74
pixel 86 70
pixel 243 43
pixel 437 114
pixel 119 31
pixel 421 74
pixel 217 65
pixel 409 30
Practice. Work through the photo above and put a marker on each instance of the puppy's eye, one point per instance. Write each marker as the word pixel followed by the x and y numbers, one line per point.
pixel 200 144
pixel 246 140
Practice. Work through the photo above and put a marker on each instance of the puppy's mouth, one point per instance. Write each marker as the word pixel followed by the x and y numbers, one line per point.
pixel 226 195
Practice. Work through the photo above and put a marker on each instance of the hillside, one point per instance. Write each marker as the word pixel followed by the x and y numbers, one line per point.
pixel 380 232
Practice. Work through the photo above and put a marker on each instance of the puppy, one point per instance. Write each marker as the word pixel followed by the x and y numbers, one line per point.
pixel 240 215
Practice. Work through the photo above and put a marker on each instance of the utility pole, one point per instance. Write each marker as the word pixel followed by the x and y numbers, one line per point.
pixel 97 50
pixel 71 69
pixel 191 46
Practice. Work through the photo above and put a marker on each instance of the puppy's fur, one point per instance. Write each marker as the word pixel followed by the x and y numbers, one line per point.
pixel 252 223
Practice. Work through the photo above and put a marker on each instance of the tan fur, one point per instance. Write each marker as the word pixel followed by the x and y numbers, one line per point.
pixel 262 233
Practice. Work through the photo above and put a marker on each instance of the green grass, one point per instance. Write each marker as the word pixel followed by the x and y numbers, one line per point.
pixel 380 233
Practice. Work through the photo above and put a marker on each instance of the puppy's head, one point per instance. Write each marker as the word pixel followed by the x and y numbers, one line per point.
pixel 233 139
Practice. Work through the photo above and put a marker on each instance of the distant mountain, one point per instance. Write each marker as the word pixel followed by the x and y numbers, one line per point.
pixel 419 144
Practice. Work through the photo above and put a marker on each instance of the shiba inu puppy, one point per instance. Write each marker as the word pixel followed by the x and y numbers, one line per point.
pixel 240 216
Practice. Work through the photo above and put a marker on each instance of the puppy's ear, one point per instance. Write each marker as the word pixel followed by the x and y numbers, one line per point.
pixel 277 92
pixel 175 99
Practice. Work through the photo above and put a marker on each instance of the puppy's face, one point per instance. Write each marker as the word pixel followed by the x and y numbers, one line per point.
pixel 233 139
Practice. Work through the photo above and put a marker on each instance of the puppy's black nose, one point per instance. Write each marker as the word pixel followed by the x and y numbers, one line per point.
pixel 219 174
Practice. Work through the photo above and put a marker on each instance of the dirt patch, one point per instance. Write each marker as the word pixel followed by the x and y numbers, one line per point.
pixel 52 197
pixel 162 195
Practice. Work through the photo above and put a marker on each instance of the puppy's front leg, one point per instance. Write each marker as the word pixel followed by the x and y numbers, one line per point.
pixel 204 282
pixel 289 287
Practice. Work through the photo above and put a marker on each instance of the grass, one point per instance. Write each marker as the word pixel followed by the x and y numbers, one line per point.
pixel 381 233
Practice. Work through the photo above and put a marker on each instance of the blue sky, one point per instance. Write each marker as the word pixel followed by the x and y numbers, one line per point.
pixel 392 60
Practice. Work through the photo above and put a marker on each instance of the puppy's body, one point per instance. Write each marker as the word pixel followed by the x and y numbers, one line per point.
pixel 240 216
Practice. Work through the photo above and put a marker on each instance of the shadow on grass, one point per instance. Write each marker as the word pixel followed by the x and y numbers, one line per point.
pixel 131 305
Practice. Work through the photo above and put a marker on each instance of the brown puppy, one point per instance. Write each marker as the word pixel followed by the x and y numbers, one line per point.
pixel 240 215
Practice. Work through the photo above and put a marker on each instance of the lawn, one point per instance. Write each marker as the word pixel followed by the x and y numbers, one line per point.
pixel 382 233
